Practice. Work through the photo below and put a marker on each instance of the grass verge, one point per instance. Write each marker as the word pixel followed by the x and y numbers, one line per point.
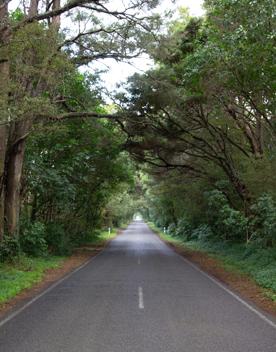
pixel 259 264
pixel 100 238
pixel 23 273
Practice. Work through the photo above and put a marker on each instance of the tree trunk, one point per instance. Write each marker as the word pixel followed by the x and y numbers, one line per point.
pixel 3 147
pixel 33 10
pixel 14 165
pixel 4 116
pixel 239 186
pixel 56 19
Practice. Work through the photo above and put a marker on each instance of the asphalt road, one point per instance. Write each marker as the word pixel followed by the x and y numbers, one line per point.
pixel 138 296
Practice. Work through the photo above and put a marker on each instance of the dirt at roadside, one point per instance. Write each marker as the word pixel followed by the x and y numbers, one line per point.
pixel 239 283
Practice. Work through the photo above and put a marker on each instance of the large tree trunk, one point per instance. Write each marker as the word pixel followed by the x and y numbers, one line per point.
pixel 14 162
pixel 14 165
pixel 3 147
pixel 4 88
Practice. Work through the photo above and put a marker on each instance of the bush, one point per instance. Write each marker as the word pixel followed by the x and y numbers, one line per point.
pixel 184 228
pixel 234 223
pixel 9 249
pixel 33 241
pixel 202 233
pixel 265 278
pixel 263 224
pixel 226 222
pixel 59 243
pixel 172 229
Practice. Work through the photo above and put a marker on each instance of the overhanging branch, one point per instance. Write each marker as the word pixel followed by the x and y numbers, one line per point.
pixel 84 114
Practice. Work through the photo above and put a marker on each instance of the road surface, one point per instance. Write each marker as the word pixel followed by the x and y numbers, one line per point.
pixel 138 296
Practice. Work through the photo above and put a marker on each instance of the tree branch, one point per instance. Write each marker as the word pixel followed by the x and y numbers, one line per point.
pixel 87 114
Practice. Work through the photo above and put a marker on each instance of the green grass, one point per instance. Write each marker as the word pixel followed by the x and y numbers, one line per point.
pixel 100 237
pixel 258 263
pixel 23 273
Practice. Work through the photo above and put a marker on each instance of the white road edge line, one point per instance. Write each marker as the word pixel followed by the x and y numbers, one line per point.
pixel 231 293
pixel 215 281
pixel 20 310
pixel 141 298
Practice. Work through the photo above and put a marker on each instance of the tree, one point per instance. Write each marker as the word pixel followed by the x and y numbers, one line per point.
pixel 36 56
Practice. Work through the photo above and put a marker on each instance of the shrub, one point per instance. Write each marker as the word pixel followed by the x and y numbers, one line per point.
pixel 172 229
pixel 263 224
pixel 33 241
pixel 226 222
pixel 184 228
pixel 9 248
pixel 59 243
pixel 234 223
pixel 202 233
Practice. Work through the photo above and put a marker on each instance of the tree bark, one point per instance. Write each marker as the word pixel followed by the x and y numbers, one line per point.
pixel 4 88
pixel 33 10
pixel 14 165
pixel 3 147
pixel 56 19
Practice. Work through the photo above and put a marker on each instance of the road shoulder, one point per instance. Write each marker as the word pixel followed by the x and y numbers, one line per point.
pixel 240 283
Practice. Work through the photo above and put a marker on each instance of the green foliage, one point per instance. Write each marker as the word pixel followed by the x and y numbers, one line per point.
pixel 120 208
pixel 172 229
pixel 223 219
pixel 58 241
pixel 17 15
pixel 100 237
pixel 9 249
pixel 234 223
pixel 263 222
pixel 184 228
pixel 202 233
pixel 76 180
pixel 32 239
pixel 36 64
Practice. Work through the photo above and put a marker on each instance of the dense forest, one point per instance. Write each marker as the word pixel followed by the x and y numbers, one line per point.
pixel 189 144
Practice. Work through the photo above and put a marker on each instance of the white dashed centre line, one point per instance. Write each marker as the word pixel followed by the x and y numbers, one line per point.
pixel 141 298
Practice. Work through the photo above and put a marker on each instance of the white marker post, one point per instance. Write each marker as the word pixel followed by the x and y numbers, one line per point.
pixel 109 230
